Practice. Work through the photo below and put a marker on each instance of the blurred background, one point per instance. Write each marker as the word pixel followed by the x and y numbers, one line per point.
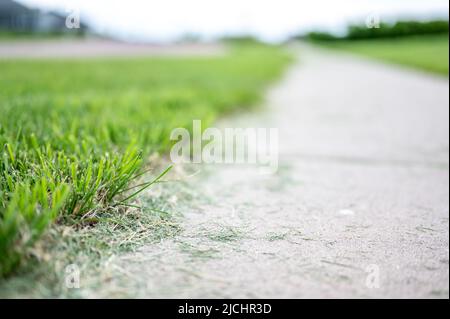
pixel 174 20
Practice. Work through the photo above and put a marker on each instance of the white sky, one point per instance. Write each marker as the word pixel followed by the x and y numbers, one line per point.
pixel 268 19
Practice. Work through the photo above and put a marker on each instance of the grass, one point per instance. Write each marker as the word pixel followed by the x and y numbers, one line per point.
pixel 18 36
pixel 428 53
pixel 76 134
pixel 226 234
pixel 92 249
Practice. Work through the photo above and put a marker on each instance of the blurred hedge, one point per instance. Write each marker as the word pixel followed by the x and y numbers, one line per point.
pixel 321 36
pixel 398 29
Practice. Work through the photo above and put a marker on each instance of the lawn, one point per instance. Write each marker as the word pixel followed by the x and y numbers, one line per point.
pixel 75 134
pixel 429 53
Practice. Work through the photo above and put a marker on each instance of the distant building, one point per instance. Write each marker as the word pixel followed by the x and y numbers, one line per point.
pixel 16 17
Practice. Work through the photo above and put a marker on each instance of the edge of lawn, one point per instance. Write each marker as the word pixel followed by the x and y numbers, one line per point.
pixel 350 47
pixel 148 219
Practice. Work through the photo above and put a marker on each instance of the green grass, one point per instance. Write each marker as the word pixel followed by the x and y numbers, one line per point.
pixel 117 233
pixel 19 36
pixel 75 134
pixel 429 53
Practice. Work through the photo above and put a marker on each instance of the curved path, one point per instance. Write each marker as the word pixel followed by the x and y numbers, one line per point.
pixel 359 206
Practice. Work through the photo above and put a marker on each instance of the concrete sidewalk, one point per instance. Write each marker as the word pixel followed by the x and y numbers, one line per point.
pixel 359 206
pixel 91 48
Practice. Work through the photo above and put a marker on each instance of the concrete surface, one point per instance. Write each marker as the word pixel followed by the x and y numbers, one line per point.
pixel 358 208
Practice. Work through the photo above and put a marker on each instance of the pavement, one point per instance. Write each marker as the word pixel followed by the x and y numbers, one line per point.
pixel 94 47
pixel 359 206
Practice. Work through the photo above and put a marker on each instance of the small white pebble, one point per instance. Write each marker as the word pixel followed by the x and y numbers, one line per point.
pixel 173 199
pixel 346 212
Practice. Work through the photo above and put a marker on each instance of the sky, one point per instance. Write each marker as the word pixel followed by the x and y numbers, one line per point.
pixel 271 20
